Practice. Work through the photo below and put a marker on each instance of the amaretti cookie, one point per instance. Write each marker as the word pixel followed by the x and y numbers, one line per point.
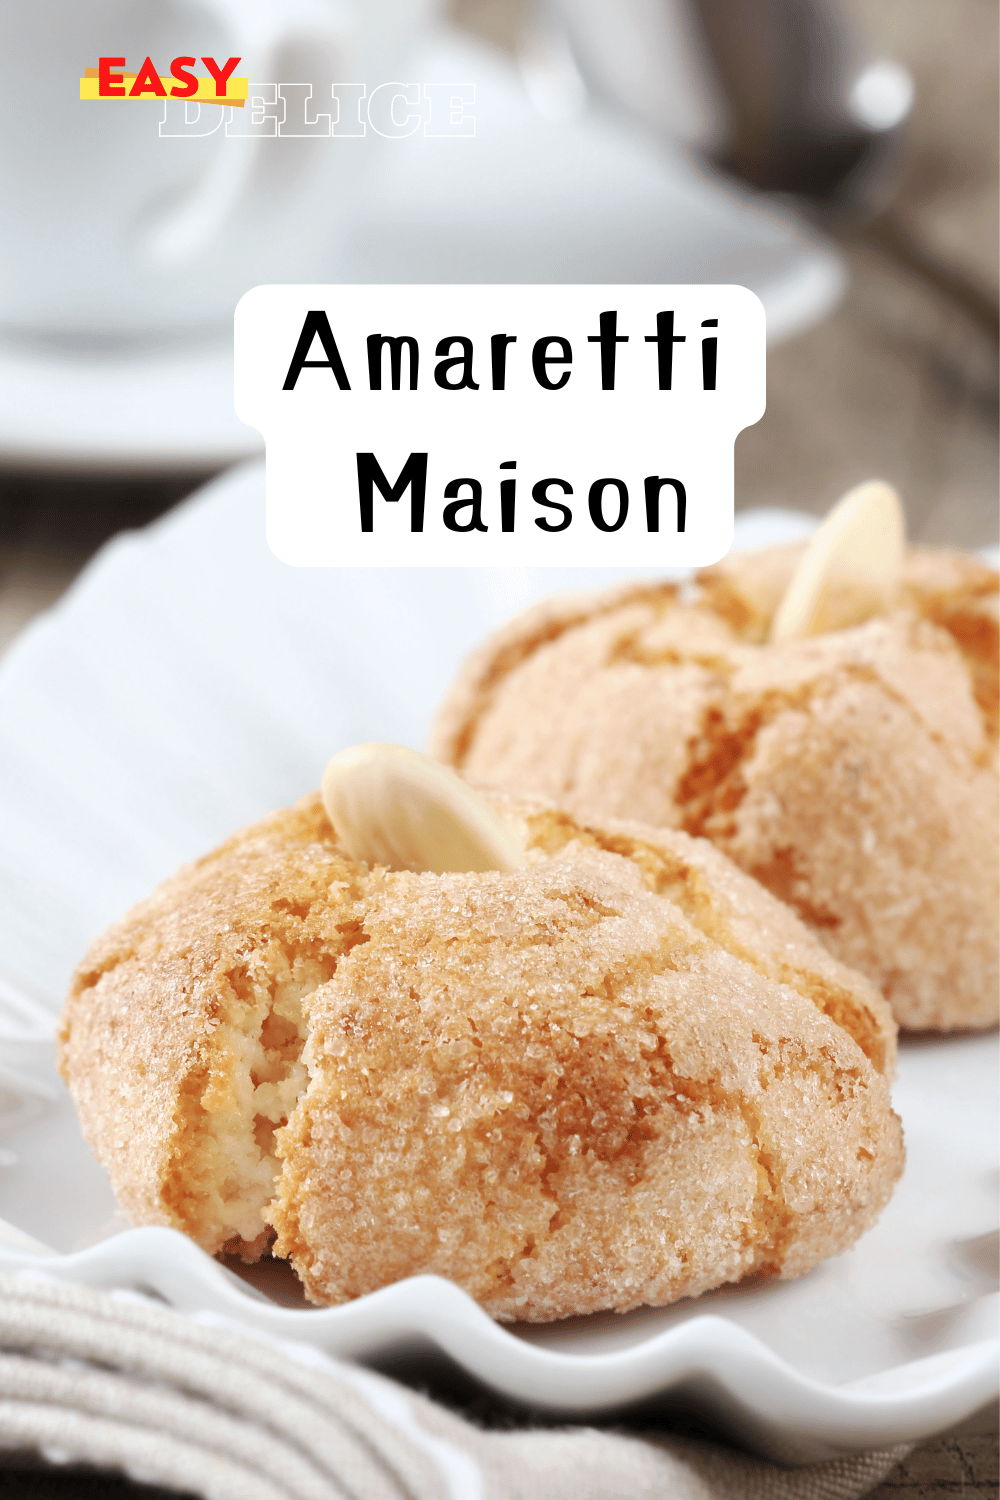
pixel 852 772
pixel 619 1074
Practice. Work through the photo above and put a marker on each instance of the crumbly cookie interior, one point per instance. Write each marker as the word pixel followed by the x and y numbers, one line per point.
pixel 550 1085
pixel 224 1186
pixel 182 1039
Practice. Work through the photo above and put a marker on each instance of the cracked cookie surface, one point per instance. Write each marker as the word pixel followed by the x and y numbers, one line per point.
pixel 853 773
pixel 619 1075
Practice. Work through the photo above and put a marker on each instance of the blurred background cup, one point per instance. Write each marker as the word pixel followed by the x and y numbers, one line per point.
pixel 785 94
pixel 132 223
pixel 124 251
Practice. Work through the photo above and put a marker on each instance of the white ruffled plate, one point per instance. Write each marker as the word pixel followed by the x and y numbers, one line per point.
pixel 187 684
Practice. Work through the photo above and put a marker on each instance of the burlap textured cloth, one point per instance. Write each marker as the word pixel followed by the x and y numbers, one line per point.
pixel 127 1385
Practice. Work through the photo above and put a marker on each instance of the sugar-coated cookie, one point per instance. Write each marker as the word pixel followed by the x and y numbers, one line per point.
pixel 620 1074
pixel 853 773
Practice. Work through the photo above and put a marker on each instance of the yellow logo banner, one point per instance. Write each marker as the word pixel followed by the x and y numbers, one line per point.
pixel 135 86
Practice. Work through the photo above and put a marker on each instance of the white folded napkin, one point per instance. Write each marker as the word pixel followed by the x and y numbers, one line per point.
pixel 125 1384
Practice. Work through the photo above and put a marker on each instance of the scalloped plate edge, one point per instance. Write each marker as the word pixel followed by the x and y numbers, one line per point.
pixel 725 1368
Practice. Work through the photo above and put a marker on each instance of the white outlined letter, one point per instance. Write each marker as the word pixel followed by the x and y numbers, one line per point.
pixel 382 109
pixel 448 101
pixel 182 117
pixel 297 121
pixel 349 97
pixel 261 113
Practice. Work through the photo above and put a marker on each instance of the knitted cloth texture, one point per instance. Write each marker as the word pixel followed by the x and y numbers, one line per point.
pixel 124 1384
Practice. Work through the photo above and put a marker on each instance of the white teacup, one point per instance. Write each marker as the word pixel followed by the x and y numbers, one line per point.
pixel 118 222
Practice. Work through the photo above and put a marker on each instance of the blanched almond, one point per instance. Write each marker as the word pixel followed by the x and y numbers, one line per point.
pixel 395 807
pixel 850 568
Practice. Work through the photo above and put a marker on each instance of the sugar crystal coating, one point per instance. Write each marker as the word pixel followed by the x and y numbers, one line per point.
pixel 854 773
pixel 619 1075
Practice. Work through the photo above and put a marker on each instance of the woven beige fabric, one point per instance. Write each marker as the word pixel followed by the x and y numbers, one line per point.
pixel 124 1384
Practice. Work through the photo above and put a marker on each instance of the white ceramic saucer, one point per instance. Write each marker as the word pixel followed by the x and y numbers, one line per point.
pixel 526 200
pixel 188 683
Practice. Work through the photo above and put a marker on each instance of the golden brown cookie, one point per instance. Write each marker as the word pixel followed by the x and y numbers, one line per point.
pixel 620 1074
pixel 853 773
